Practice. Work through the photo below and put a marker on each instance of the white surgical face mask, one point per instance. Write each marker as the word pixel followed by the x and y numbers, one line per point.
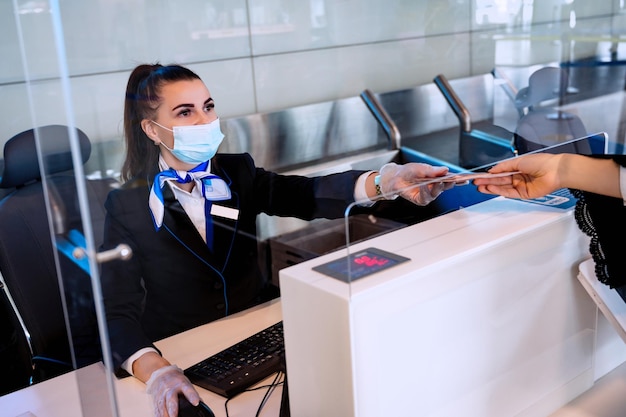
pixel 195 144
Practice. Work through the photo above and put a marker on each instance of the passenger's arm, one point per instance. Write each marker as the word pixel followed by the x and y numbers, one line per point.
pixel 542 173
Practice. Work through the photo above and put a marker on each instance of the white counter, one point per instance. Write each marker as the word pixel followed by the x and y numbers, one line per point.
pixel 486 319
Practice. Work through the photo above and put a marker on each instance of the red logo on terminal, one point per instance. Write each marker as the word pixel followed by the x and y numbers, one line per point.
pixel 370 260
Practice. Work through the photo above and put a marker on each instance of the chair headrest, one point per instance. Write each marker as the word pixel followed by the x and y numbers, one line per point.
pixel 21 165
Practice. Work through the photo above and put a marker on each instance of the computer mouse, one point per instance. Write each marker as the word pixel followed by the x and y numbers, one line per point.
pixel 186 409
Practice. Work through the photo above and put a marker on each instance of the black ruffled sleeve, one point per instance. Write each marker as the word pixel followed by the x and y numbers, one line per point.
pixel 603 219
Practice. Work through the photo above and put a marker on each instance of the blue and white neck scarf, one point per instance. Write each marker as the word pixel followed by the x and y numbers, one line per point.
pixel 213 189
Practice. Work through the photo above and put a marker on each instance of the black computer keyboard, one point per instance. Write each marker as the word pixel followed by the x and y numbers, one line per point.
pixel 243 364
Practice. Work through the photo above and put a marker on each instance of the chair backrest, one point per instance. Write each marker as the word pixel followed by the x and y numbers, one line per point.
pixel 546 83
pixel 541 125
pixel 45 285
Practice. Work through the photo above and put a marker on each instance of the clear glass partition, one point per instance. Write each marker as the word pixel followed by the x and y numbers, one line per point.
pixel 52 272
pixel 37 74
pixel 361 223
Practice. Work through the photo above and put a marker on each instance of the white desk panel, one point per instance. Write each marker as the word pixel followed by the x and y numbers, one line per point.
pixel 611 320
pixel 487 319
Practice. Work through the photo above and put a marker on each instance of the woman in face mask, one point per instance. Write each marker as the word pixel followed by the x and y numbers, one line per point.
pixel 189 216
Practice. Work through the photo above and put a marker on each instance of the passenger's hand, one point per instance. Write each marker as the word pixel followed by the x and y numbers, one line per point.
pixel 402 179
pixel 164 386
pixel 538 176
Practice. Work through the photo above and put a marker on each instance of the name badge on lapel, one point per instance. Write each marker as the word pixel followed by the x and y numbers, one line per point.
pixel 226 212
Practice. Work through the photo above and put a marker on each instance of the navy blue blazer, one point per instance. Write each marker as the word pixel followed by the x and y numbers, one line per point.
pixel 173 282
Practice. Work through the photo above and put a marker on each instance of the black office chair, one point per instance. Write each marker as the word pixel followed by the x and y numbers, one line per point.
pixel 14 351
pixel 542 125
pixel 34 266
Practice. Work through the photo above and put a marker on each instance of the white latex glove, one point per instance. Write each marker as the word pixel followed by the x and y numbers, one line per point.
pixel 401 180
pixel 164 386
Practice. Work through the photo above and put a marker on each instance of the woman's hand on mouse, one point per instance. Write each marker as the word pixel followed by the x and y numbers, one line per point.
pixel 164 386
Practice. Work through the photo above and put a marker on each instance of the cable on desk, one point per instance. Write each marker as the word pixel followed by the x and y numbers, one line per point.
pixel 270 389
pixel 268 393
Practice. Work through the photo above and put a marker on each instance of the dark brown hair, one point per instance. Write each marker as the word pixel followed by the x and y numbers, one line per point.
pixel 141 102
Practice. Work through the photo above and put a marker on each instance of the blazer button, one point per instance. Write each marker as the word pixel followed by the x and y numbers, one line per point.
pixel 218 285
pixel 219 306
